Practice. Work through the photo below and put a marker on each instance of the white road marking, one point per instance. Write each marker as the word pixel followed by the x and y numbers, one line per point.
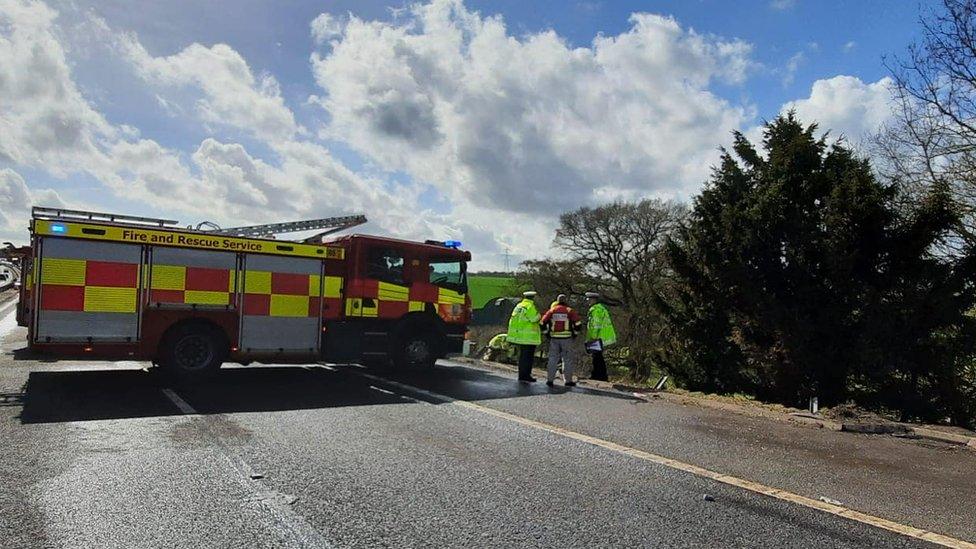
pixel 8 320
pixel 755 487
pixel 384 391
pixel 181 404
pixel 276 504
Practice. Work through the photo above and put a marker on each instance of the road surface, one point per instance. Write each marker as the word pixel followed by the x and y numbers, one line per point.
pixel 99 454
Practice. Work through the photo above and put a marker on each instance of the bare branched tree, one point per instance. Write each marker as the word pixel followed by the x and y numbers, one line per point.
pixel 932 141
pixel 622 243
pixel 619 250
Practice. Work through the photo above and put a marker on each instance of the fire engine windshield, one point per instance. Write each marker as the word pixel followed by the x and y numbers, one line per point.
pixel 449 274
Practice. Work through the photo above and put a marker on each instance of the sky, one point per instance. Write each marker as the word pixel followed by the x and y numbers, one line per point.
pixel 468 120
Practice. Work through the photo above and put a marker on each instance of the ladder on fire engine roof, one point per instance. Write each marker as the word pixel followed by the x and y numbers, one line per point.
pixel 61 213
pixel 328 225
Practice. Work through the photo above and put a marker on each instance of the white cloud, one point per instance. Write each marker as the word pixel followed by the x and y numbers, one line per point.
pixel 44 119
pixel 325 27
pixel 850 46
pixel 531 125
pixel 846 106
pixel 511 131
pixel 14 196
pixel 50 126
pixel 792 65
pixel 232 94
pixel 16 200
pixel 781 5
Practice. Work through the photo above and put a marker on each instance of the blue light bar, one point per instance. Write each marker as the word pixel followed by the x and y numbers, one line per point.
pixel 58 228
pixel 452 243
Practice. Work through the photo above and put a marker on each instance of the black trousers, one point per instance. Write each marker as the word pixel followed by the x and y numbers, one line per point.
pixel 526 357
pixel 599 367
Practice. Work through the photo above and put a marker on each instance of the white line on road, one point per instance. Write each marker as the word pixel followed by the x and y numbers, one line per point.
pixel 277 504
pixel 176 399
pixel 8 321
pixel 755 487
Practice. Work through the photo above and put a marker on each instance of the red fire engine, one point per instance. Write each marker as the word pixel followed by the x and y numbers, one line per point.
pixel 115 286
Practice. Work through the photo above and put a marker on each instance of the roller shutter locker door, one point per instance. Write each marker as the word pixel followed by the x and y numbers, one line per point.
pixel 88 290
pixel 180 276
pixel 281 304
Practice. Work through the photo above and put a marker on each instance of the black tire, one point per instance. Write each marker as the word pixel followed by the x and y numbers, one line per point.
pixel 193 351
pixel 416 349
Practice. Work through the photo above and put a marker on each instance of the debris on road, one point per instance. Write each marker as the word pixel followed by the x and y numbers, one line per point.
pixel 831 501
pixel 257 476
pixel 707 497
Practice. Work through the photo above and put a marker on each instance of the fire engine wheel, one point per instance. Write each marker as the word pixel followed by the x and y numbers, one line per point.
pixel 193 351
pixel 416 351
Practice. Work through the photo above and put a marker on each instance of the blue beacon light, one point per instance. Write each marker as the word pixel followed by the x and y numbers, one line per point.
pixel 58 228
pixel 452 243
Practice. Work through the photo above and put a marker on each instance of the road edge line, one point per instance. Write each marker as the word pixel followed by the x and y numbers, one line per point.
pixel 751 486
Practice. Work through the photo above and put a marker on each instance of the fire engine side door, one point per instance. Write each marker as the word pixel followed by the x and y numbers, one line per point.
pixel 281 304
pixel 88 291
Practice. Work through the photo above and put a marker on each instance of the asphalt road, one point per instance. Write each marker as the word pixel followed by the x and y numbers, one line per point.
pixel 106 455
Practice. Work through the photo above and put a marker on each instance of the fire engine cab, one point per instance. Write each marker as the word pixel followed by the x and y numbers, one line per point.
pixel 114 286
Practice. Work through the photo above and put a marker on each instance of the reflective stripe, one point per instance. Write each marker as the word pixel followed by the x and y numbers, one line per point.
pixel 445 295
pixel 168 277
pixel 333 286
pixel 257 282
pixel 100 299
pixel 289 305
pixel 205 297
pixel 392 292
pixel 358 306
pixel 66 272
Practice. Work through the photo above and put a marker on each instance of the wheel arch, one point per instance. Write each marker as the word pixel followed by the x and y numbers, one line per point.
pixel 201 323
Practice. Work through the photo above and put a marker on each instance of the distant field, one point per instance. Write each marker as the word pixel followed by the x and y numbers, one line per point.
pixel 484 288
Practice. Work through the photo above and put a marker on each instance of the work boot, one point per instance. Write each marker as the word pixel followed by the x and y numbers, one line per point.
pixel 570 384
pixel 549 383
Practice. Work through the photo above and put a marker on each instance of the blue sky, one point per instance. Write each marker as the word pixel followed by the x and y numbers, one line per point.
pixel 442 138
pixel 274 36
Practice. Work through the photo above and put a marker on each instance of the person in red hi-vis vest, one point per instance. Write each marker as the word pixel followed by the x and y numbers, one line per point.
pixel 562 324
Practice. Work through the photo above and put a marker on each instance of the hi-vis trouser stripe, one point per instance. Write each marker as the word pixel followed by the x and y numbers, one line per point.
pixel 287 294
pixel 88 286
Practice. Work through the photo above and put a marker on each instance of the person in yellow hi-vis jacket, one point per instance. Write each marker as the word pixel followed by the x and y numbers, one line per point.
pixel 599 334
pixel 524 330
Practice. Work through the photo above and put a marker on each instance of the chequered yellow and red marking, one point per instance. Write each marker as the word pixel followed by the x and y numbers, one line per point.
pixel 269 293
pixel 191 285
pixel 377 299
pixel 88 286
